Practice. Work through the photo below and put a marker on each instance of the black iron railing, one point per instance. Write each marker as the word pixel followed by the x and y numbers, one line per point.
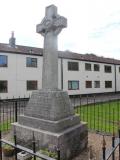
pixel 108 153
pixel 32 151
pixel 9 111
pixel 102 113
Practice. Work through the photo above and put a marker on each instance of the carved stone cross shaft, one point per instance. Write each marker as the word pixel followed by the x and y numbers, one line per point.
pixel 49 28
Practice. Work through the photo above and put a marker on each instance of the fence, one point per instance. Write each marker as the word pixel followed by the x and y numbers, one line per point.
pixel 102 113
pixel 9 111
pixel 108 153
pixel 32 152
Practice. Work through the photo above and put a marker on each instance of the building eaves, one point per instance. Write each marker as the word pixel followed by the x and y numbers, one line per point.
pixel 18 49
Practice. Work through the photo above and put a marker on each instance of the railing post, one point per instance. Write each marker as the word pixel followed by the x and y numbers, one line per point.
pixel 58 153
pixel 0 132
pixel 91 155
pixel 15 143
pixel 74 101
pixel 94 112
pixel 16 111
pixel 87 108
pixel 119 142
pixel 0 145
pixel 104 148
pixel 113 145
pixel 80 106
pixel 34 147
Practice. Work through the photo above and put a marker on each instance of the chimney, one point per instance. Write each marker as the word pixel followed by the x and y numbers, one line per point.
pixel 12 40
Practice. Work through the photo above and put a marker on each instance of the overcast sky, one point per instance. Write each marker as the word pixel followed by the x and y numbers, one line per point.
pixel 93 25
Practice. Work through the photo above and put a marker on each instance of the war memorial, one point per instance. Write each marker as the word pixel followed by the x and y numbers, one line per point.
pixel 49 113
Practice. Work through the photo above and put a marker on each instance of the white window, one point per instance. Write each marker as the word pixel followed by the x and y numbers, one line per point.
pixel 73 66
pixel 73 85
pixel 31 85
pixel 3 61
pixel 3 86
pixel 31 62
pixel 96 84
pixel 87 66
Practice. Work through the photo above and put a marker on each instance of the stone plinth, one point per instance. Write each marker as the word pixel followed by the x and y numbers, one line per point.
pixel 49 104
pixel 50 115
pixel 70 141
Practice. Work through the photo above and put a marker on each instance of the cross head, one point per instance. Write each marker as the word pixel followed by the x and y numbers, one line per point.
pixel 52 22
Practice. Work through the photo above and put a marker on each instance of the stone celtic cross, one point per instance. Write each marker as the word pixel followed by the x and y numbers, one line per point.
pixel 49 28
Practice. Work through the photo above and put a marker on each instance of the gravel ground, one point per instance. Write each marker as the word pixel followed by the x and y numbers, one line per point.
pixel 94 140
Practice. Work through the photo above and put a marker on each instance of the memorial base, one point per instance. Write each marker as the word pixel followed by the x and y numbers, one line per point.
pixel 50 116
pixel 70 141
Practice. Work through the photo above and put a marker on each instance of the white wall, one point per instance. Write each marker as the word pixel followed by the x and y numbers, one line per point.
pixel 83 76
pixel 27 73
pixel 17 74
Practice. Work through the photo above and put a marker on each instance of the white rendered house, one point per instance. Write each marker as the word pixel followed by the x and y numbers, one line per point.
pixel 21 71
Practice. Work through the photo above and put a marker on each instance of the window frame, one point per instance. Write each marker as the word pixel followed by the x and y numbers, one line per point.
pixel 31 62
pixel 6 60
pixel 97 84
pixel 107 70
pixel 86 67
pixel 87 85
pixel 108 85
pixel 97 66
pixel 71 84
pixel 5 90
pixel 29 88
pixel 119 69
pixel 71 68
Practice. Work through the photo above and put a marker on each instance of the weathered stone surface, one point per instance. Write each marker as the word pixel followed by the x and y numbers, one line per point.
pixel 49 113
pixel 50 27
pixel 69 141
pixel 52 126
pixel 49 104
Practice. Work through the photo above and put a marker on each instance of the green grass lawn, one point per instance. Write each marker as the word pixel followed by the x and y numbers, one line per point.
pixel 5 126
pixel 101 117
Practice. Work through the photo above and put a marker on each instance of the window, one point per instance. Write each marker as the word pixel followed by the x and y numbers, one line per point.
pixel 3 86
pixel 96 84
pixel 3 61
pixel 73 66
pixel 96 67
pixel 88 84
pixel 31 85
pixel 108 84
pixel 108 69
pixel 73 85
pixel 87 66
pixel 31 62
pixel 119 69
